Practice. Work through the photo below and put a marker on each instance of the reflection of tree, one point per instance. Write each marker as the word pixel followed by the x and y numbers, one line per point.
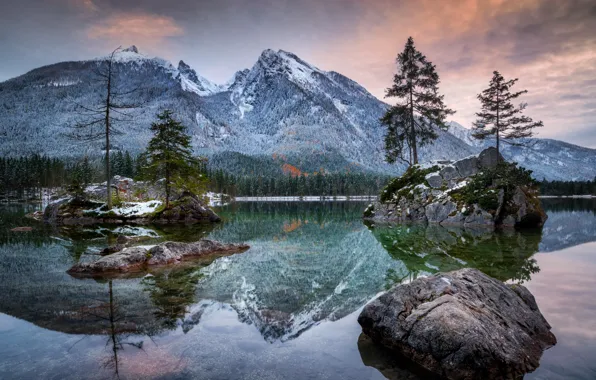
pixel 118 328
pixel 505 255
pixel 172 292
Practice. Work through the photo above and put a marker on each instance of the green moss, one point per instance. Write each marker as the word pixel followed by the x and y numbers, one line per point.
pixel 483 188
pixel 401 186
pixel 369 212
pixel 109 214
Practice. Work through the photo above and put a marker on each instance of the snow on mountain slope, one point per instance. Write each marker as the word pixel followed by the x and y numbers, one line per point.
pixel 282 108
pixel 191 81
pixel 547 158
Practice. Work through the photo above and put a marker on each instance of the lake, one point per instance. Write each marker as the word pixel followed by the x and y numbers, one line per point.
pixel 286 308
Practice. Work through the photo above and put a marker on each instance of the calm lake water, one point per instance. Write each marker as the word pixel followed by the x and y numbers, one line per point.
pixel 285 309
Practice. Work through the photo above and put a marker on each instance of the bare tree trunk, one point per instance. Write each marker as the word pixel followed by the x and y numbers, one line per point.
pixel 413 132
pixel 113 330
pixel 497 134
pixel 167 186
pixel 108 102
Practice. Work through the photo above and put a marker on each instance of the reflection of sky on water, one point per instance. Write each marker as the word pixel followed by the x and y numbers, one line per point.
pixel 287 308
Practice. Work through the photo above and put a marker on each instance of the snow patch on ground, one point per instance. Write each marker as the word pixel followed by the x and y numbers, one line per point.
pixel 130 209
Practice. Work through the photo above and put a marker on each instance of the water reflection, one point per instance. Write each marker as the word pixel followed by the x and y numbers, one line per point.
pixel 505 255
pixel 309 263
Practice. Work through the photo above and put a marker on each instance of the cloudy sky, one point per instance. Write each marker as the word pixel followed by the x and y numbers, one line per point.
pixel 550 45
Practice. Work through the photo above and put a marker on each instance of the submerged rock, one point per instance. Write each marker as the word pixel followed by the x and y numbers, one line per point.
pixel 22 229
pixel 461 325
pixel 135 258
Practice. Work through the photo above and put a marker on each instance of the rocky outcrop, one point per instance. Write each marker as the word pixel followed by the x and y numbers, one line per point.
pixel 474 191
pixel 187 208
pixel 461 325
pixel 137 258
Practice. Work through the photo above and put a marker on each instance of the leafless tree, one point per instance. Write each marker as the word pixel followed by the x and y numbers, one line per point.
pixel 98 121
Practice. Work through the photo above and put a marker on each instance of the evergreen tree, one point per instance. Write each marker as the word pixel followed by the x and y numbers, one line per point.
pixel 128 166
pixel 420 108
pixel 86 171
pixel 499 117
pixel 170 157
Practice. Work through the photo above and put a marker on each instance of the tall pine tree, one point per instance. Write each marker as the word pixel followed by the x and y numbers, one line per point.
pixel 169 155
pixel 410 123
pixel 499 117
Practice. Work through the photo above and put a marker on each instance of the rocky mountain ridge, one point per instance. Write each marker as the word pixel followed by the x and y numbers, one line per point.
pixel 281 111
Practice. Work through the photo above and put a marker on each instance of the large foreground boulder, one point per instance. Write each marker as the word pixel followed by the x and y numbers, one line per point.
pixel 137 258
pixel 461 325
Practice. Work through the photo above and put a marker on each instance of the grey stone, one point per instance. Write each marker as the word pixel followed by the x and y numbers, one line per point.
pixel 467 167
pixel 489 158
pixel 457 219
pixel 135 258
pixel 461 325
pixel 479 217
pixel 449 173
pixel 434 180
pixel 528 210
pixel 187 208
pixel 438 212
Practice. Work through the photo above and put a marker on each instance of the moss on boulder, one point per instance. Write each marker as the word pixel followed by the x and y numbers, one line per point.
pixel 482 190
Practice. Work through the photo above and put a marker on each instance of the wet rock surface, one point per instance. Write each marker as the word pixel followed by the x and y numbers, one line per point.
pixel 136 258
pixel 461 325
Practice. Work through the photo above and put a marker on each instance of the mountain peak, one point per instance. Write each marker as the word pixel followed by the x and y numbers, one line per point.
pixel 193 82
pixel 183 66
pixel 288 64
pixel 131 49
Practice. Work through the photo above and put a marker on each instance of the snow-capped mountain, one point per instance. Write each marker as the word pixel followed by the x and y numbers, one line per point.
pixel 547 158
pixel 282 111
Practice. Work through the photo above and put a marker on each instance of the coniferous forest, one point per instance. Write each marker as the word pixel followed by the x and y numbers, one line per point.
pixel 25 177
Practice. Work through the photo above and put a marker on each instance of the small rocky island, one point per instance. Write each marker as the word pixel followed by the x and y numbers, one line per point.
pixel 481 190
pixel 461 325
pixel 138 258
pixel 136 203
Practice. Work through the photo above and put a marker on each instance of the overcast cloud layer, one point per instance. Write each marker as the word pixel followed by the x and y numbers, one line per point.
pixel 549 44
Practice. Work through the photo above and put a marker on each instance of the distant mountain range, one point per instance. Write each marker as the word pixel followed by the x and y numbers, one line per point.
pixel 281 113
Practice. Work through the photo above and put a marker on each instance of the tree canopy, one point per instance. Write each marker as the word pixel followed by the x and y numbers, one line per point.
pixel 499 117
pixel 169 156
pixel 420 109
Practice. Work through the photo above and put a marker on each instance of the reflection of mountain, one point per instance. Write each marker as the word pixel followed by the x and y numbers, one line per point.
pixel 301 271
pixel 505 255
pixel 308 262
pixel 570 222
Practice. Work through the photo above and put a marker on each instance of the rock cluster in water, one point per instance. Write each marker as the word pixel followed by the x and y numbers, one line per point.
pixel 461 325
pixel 135 258
pixel 186 208
pixel 462 193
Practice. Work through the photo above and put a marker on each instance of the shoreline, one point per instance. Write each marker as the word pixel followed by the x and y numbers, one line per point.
pixel 568 196
pixel 309 198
